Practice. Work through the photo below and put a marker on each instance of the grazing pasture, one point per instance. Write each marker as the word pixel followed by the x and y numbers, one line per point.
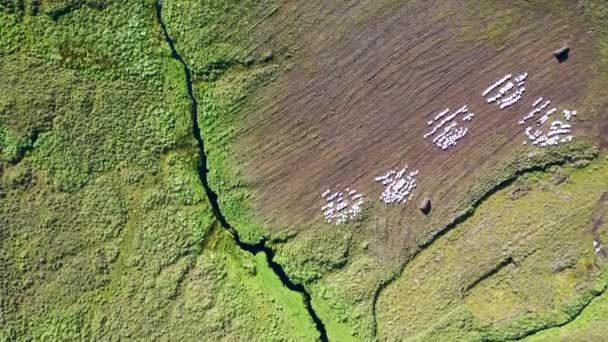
pixel 334 95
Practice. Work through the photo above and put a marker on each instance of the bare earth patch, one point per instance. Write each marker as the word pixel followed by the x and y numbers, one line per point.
pixel 360 107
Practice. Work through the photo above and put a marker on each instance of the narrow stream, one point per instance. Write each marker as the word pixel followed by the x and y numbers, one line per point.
pixel 213 198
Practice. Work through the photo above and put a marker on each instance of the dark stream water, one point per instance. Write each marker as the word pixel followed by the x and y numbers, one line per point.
pixel 213 198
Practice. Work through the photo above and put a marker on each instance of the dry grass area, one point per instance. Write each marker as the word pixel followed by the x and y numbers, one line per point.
pixel 346 95
pixel 355 102
pixel 357 107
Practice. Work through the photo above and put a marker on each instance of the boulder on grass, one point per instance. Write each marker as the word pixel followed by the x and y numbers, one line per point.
pixel 425 206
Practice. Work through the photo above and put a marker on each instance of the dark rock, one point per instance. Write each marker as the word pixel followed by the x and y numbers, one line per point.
pixel 520 188
pixel 426 206
pixel 562 53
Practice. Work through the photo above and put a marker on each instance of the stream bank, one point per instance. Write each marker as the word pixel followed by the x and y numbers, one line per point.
pixel 202 171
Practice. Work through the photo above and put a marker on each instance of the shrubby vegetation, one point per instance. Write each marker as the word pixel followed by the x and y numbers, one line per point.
pixel 105 230
pixel 217 35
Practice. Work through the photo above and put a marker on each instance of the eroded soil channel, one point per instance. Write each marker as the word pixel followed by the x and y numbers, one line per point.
pixel 259 247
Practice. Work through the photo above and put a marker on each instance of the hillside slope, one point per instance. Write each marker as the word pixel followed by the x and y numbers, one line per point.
pixel 299 97
pixel 109 229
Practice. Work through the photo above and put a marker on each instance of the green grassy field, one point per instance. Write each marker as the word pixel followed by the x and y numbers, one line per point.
pixel 522 262
pixel 106 232
pixel 589 326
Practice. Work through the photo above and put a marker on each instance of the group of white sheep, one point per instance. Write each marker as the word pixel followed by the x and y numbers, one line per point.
pixel 509 93
pixel 558 131
pixel 512 99
pixel 344 206
pixel 340 208
pixel 449 135
pixel 495 85
pixel 569 114
pixel 398 185
pixel 535 109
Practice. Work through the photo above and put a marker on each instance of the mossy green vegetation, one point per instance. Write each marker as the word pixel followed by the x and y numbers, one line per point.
pixel 229 285
pixel 219 102
pixel 215 39
pixel 216 35
pixel 105 229
pixel 522 262
pixel 106 233
pixel 589 326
